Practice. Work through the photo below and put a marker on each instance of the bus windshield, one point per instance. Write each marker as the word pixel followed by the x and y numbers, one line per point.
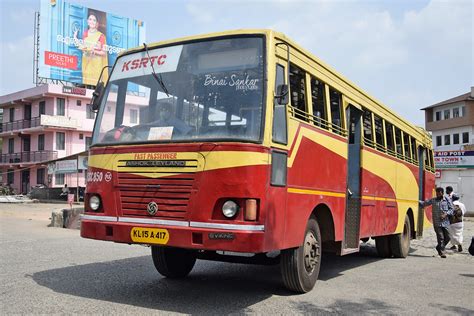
pixel 207 90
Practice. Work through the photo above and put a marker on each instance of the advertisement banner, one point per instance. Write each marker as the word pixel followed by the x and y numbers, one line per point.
pixel 76 42
pixel 66 166
pixel 454 159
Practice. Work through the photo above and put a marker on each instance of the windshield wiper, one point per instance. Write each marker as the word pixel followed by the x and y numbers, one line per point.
pixel 158 77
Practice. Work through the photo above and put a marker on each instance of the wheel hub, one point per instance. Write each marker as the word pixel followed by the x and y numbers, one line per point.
pixel 311 252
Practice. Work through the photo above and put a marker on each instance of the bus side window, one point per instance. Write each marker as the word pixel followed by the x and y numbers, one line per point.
pixel 398 141
pixel 297 90
pixel 432 160
pixel 368 135
pixel 406 145
pixel 427 159
pixel 389 136
pixel 414 150
pixel 279 133
pixel 336 110
pixel 380 143
pixel 319 103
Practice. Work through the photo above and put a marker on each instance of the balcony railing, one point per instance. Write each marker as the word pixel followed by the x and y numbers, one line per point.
pixel 20 124
pixel 29 156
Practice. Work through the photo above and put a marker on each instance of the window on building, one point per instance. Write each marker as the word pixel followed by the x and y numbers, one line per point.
pixel 389 136
pixel 447 114
pixel 398 142
pixel 10 176
pixel 455 138
pixel 438 116
pixel 133 116
pixel 336 110
pixel 368 135
pixel 455 112
pixel 59 179
pixel 465 137
pixel 406 145
pixel 88 142
pixel 439 141
pixel 42 107
pixel 11 145
pixel 78 102
pixel 11 114
pixel 60 141
pixel 297 90
pixel 379 139
pixel 61 106
pixel 447 139
pixel 40 142
pixel 319 102
pixel 463 111
pixel 90 114
pixel 40 176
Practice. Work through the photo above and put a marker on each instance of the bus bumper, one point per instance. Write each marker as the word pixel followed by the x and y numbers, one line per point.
pixel 190 235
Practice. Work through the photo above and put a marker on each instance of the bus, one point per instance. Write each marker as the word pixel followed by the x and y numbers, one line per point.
pixel 242 146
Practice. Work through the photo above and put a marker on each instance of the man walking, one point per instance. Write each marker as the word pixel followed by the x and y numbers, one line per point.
pixel 442 207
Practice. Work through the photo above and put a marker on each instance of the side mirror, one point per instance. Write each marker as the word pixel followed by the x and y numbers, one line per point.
pixel 97 96
pixel 282 94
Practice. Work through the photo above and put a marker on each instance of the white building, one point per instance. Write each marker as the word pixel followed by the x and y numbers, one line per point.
pixel 451 123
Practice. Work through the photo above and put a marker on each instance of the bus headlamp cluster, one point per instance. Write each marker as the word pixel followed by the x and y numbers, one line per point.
pixel 94 202
pixel 230 209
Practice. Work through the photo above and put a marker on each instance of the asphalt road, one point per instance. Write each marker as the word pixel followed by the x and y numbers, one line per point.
pixel 52 270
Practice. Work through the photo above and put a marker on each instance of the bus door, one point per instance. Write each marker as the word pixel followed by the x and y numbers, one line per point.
pixel 353 200
pixel 421 190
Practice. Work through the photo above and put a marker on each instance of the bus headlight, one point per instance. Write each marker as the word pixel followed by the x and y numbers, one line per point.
pixel 94 202
pixel 229 209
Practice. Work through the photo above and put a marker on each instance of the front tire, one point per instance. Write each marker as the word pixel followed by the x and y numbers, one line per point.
pixel 173 262
pixel 300 266
pixel 400 243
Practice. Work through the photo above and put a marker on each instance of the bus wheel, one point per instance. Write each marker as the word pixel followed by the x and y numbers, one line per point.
pixel 300 266
pixel 400 243
pixel 382 244
pixel 173 262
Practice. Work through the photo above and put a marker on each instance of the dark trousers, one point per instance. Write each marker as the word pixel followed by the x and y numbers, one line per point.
pixel 442 236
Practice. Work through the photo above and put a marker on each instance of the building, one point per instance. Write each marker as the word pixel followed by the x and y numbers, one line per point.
pixel 41 124
pixel 451 123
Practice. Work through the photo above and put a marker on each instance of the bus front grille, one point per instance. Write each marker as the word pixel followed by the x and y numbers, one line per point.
pixel 170 193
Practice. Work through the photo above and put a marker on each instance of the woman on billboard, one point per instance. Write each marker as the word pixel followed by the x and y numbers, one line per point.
pixel 94 55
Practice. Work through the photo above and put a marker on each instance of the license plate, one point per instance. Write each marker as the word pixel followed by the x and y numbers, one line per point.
pixel 150 235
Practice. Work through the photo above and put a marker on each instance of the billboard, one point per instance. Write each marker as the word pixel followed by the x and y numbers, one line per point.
pixel 76 42
pixel 454 159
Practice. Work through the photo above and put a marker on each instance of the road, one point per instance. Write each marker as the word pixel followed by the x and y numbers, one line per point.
pixel 52 270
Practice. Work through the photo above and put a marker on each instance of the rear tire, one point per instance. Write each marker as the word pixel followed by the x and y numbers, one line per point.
pixel 173 262
pixel 382 244
pixel 300 266
pixel 400 243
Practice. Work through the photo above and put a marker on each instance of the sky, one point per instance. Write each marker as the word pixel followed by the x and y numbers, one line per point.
pixel 408 54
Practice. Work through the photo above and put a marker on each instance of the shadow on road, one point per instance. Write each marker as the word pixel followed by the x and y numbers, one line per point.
pixel 212 286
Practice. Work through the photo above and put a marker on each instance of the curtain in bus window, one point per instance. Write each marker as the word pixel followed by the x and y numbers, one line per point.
pixel 406 144
pixel 414 150
pixel 297 90
pixel 368 138
pixel 398 140
pixel 379 132
pixel 336 105
pixel 389 136
pixel 319 103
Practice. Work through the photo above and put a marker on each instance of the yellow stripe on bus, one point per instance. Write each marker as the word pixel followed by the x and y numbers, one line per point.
pixel 315 192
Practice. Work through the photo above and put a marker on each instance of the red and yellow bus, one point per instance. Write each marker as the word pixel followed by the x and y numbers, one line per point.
pixel 241 146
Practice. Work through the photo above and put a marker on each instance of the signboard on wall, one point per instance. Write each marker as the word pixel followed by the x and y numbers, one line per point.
pixel 454 159
pixel 76 42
